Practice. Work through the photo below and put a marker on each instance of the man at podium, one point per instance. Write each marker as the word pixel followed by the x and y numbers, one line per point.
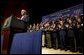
pixel 24 17
pixel 11 26
pixel 15 22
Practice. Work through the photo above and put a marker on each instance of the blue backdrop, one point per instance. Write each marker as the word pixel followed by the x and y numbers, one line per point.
pixel 78 9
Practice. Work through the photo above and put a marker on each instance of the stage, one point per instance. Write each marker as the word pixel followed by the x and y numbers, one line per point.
pixel 57 51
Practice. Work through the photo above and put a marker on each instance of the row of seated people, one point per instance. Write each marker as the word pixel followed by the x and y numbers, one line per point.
pixel 64 33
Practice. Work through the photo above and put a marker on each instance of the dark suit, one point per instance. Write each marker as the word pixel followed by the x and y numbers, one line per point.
pixel 48 39
pixel 72 39
pixel 62 35
pixel 54 39
pixel 81 38
pixel 26 19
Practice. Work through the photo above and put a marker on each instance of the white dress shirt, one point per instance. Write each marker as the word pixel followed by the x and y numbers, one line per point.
pixel 22 17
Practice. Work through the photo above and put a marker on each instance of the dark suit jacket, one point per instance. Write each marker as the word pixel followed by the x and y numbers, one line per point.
pixel 26 18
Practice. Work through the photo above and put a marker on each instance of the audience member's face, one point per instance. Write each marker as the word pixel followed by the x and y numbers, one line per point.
pixel 67 25
pixel 41 25
pixel 61 22
pixel 78 25
pixel 82 17
pixel 59 25
pixel 70 21
pixel 33 24
pixel 30 26
pixel 79 20
pixel 74 23
pixel 53 22
pixel 37 24
pixel 46 24
pixel 67 19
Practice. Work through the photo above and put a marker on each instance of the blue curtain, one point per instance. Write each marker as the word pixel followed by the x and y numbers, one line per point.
pixel 26 43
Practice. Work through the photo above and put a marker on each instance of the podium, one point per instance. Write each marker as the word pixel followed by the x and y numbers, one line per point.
pixel 11 26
